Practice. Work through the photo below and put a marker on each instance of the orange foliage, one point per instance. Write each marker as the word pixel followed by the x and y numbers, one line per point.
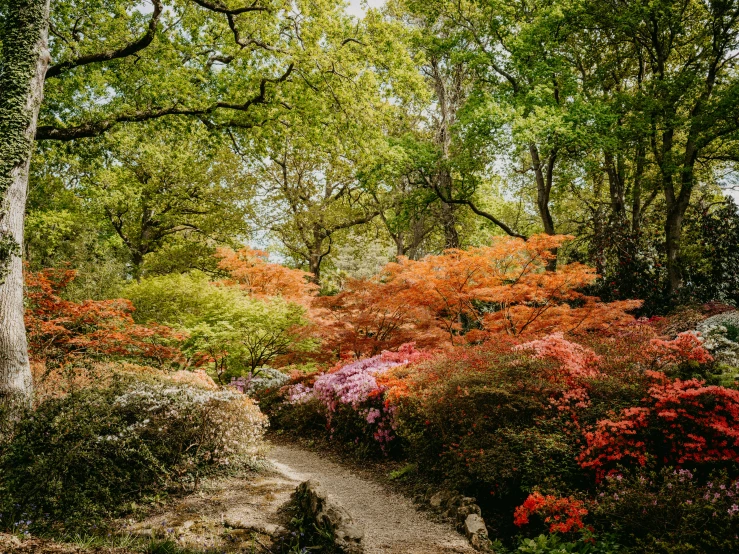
pixel 60 331
pixel 260 278
pixel 470 296
pixel 510 277
pixel 366 318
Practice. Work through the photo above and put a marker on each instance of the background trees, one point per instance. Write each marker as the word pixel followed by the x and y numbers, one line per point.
pixel 425 125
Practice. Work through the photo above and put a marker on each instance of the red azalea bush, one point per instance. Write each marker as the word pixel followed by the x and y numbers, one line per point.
pixel 563 515
pixel 679 423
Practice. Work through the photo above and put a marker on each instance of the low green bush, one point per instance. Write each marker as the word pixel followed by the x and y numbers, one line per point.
pixel 670 512
pixel 94 454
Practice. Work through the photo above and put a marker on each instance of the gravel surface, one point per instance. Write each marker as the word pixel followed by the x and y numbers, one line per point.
pixel 392 525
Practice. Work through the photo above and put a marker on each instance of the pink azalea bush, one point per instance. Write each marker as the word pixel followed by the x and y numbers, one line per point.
pixel 352 391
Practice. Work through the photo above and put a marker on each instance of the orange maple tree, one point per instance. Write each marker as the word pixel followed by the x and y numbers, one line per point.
pixel 260 278
pixel 505 287
pixel 471 295
pixel 60 330
pixel 366 319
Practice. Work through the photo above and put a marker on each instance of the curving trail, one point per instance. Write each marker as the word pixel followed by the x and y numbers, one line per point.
pixel 392 525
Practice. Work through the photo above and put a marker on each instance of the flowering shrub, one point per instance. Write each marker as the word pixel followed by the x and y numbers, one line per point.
pixel 720 335
pixel 90 455
pixel 669 511
pixel 263 378
pixel 564 515
pixel 577 360
pixel 679 423
pixel 684 349
pixel 354 387
pixel 196 378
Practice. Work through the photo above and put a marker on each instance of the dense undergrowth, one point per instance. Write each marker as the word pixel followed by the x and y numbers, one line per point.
pixel 600 444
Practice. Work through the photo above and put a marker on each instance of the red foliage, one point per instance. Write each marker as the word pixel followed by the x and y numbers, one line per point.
pixel 563 515
pixel 577 360
pixel 679 423
pixel 684 348
pixel 60 330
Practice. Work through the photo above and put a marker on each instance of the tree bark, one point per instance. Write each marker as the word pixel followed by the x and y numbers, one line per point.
pixel 544 180
pixel 25 59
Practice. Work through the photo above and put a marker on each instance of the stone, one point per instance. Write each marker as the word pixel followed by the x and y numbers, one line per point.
pixel 476 532
pixel 318 504
pixel 436 500
pixel 473 525
pixel 467 509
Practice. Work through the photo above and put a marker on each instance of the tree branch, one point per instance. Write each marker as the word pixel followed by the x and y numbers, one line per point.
pixel 128 50
pixel 96 128
pixel 472 207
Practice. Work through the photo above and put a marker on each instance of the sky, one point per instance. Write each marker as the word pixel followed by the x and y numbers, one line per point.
pixel 356 7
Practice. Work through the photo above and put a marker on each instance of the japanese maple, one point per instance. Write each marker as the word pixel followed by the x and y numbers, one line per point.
pixel 369 316
pixel 261 278
pixel 60 330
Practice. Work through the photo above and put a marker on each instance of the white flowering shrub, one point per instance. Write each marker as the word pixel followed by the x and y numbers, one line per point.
pixel 88 456
pixel 720 336
pixel 262 379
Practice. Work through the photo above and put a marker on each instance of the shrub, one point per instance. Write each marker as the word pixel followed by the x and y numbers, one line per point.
pixel 670 512
pixel 562 515
pixel 225 326
pixel 262 379
pixel 721 337
pixel 92 454
pixel 679 423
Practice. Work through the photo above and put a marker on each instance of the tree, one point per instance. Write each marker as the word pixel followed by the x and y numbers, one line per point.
pixel 689 93
pixel 158 187
pixel 62 332
pixel 314 195
pixel 261 279
pixel 505 288
pixel 22 70
pixel 210 61
pixel 449 152
pixel 225 326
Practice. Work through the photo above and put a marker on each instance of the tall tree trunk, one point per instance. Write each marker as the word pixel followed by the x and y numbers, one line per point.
pixel 544 180
pixel 448 218
pixel 673 235
pixel 25 58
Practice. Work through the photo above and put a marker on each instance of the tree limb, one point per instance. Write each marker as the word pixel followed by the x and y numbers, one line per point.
pixel 96 128
pixel 128 50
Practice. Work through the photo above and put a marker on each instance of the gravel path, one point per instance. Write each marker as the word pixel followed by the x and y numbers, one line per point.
pixel 392 525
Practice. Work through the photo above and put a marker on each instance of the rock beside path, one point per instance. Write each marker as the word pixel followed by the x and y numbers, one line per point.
pixel 391 522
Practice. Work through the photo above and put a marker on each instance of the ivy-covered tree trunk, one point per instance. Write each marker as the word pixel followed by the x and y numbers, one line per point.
pixel 24 61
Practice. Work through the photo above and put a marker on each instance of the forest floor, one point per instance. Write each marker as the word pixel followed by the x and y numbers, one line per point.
pixel 242 513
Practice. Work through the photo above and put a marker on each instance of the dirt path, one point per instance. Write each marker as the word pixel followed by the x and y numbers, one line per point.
pixel 392 525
